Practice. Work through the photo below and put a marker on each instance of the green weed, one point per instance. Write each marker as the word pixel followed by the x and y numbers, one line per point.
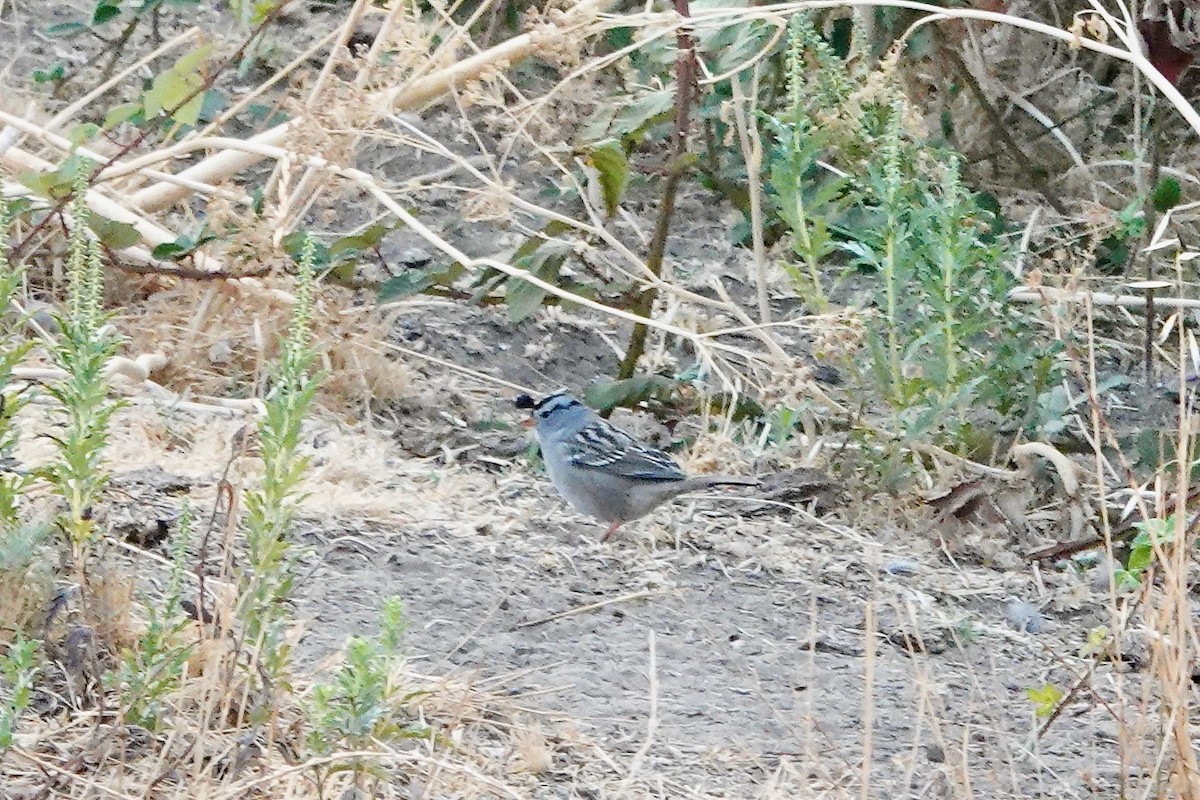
pixel 266 583
pixel 19 672
pixel 361 703
pixel 948 354
pixel 82 349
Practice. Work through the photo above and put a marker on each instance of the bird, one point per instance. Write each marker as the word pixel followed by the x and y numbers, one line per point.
pixel 601 470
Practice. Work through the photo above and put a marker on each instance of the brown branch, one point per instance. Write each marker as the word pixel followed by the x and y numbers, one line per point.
pixel 686 89
pixel 177 271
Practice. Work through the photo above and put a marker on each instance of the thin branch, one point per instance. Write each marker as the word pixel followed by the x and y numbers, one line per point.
pixel 686 91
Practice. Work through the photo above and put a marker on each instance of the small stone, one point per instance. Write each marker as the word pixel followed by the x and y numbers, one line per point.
pixel 414 258
pixel 1025 617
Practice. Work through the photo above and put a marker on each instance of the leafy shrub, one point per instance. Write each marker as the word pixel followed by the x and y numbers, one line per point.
pixel 946 349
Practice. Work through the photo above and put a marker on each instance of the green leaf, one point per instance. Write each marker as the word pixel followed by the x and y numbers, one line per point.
pixel 1045 699
pixel 629 392
pixel 46 76
pixel 82 133
pixel 619 37
pixel 632 117
pixel 368 239
pixel 169 251
pixel 58 183
pixel 215 103
pixel 1096 640
pixel 406 284
pixel 522 297
pixel 734 45
pixel 1166 194
pixel 293 245
pixel 116 235
pixel 608 157
pixel 544 261
pixel 178 83
pixel 66 30
pixel 644 111
pixel 104 12
pixel 121 113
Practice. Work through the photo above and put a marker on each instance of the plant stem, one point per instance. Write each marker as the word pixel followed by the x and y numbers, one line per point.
pixel 644 306
pixel 685 94
pixel 1151 223
pixel 948 318
pixel 810 255
pixel 889 285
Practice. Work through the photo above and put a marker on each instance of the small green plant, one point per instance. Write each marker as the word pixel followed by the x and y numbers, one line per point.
pixel 82 350
pixel 968 631
pixel 153 667
pixel 1117 249
pixel 1045 699
pixel 1151 533
pixel 12 351
pixel 18 669
pixel 24 577
pixel 361 704
pixel 267 581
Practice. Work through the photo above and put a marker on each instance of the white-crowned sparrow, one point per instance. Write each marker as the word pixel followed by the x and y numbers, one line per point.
pixel 603 471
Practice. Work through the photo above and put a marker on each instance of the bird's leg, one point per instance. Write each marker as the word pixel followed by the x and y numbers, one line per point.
pixel 611 530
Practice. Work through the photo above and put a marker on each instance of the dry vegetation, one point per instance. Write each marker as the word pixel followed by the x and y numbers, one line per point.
pixel 275 270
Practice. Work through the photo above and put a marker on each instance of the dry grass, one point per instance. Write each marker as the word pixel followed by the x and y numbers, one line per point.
pixel 220 347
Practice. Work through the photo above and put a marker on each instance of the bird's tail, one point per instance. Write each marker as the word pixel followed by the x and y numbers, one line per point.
pixel 704 481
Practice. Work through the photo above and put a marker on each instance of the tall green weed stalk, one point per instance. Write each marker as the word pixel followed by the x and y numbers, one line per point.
pixel 807 197
pixel 19 543
pixel 23 575
pixel 266 583
pixel 12 351
pixel 891 256
pixel 82 349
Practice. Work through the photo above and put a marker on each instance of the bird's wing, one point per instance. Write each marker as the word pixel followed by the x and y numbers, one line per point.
pixel 602 447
